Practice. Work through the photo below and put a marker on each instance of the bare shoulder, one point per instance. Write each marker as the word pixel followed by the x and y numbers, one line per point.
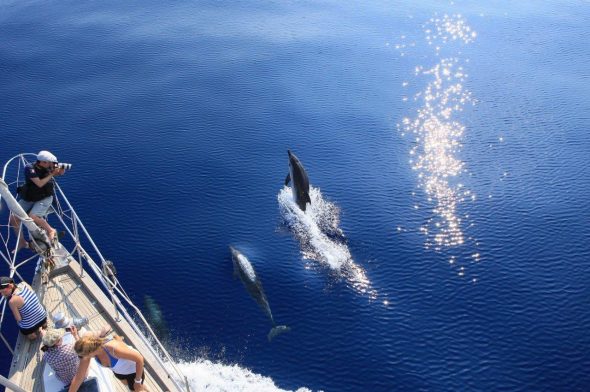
pixel 16 300
pixel 114 344
pixel 118 344
pixel 20 287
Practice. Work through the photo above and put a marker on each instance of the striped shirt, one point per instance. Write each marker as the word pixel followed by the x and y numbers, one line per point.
pixel 32 311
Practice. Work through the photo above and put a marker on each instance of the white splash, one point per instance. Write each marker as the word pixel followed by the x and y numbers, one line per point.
pixel 204 375
pixel 320 237
pixel 313 226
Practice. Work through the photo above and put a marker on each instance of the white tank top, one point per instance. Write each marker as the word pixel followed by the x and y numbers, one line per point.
pixel 122 366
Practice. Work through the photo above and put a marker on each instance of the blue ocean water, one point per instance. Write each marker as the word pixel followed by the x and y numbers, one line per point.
pixel 446 143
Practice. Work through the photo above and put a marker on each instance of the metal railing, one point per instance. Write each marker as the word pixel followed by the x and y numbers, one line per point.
pixel 83 244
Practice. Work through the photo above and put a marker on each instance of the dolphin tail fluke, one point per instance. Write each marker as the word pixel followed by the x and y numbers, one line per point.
pixel 277 330
pixel 288 179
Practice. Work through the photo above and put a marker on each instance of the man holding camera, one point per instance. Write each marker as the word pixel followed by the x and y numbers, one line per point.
pixel 37 193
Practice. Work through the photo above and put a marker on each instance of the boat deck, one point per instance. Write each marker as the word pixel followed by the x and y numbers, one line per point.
pixel 79 296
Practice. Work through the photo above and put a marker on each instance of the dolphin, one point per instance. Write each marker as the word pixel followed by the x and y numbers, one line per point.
pixel 244 269
pixel 155 318
pixel 300 181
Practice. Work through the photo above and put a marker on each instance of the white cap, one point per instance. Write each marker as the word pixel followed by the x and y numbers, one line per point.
pixel 60 320
pixel 46 156
pixel 52 336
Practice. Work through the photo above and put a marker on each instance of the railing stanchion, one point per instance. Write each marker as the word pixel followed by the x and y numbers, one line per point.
pixel 6 343
pixel 10 385
pixel 103 273
pixel 109 271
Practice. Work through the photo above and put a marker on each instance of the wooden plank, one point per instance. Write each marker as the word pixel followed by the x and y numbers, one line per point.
pixel 84 307
pixel 80 297
pixel 122 328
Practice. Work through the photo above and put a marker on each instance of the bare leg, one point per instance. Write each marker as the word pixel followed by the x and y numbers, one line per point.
pixel 16 226
pixel 42 223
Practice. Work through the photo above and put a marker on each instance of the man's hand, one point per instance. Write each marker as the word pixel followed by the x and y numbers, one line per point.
pixel 74 332
pixel 58 171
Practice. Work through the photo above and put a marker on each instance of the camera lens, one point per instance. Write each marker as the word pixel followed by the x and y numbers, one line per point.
pixel 65 166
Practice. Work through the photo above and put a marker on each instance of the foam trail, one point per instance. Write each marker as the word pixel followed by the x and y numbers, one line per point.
pixel 204 375
pixel 320 237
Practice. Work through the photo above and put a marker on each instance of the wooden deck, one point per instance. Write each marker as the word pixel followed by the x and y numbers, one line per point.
pixel 67 292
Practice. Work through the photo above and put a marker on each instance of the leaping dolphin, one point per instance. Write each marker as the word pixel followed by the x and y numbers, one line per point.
pixel 244 269
pixel 300 181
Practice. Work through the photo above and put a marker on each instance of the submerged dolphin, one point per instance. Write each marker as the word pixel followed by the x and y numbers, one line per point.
pixel 155 318
pixel 244 269
pixel 300 181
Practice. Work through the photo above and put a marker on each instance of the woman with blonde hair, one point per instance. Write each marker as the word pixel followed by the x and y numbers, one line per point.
pixel 125 361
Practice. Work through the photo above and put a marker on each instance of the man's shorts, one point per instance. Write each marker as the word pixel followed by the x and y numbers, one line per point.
pixel 40 208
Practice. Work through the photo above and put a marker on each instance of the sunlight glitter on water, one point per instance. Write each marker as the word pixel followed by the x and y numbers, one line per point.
pixel 438 134
pixel 448 28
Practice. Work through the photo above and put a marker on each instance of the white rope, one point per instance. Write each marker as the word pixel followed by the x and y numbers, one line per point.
pixel 76 230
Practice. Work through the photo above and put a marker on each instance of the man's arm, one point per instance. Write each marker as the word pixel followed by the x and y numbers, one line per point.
pixel 41 182
pixel 125 352
pixel 15 303
pixel 80 374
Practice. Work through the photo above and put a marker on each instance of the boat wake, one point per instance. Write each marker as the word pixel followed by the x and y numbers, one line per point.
pixel 321 239
pixel 205 375
pixel 206 371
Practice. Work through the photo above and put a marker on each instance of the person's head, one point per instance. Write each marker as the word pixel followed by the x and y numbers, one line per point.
pixel 46 159
pixel 53 337
pixel 6 285
pixel 87 345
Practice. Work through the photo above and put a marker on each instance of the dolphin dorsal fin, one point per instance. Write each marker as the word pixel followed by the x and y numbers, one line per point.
pixel 288 179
